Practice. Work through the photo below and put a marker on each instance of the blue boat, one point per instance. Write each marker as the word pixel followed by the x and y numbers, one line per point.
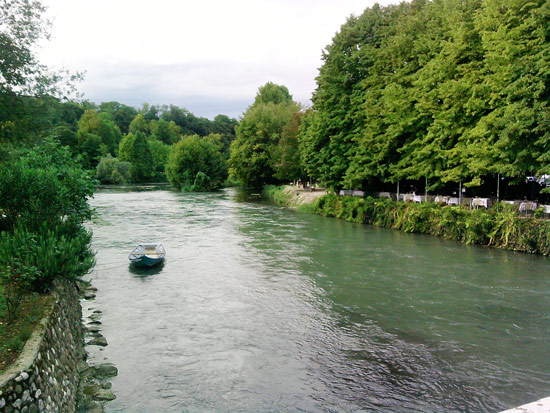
pixel 147 255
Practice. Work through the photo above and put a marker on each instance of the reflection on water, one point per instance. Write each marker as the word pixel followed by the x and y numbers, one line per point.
pixel 145 271
pixel 258 308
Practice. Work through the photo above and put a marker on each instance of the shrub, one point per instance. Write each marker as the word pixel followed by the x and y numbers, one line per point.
pixel 30 261
pixel 113 171
pixel 44 186
pixel 500 226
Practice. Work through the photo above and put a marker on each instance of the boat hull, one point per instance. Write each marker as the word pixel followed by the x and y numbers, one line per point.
pixel 145 261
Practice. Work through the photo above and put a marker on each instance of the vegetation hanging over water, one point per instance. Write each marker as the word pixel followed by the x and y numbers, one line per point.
pixel 501 226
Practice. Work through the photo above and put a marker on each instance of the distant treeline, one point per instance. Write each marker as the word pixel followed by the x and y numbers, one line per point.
pixel 125 144
pixel 451 90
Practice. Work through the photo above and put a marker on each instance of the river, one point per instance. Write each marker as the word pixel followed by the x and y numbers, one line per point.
pixel 258 308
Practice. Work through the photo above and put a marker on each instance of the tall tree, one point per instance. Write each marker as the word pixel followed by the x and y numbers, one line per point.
pixel 99 125
pixel 166 132
pixel 254 150
pixel 23 80
pixel 136 150
pixel 196 164
pixel 139 124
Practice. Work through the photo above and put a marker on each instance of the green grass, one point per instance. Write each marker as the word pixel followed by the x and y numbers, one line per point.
pixel 14 336
pixel 276 193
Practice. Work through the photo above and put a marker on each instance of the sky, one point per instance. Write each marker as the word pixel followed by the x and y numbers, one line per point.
pixel 208 56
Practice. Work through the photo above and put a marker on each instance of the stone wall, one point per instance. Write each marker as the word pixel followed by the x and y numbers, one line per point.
pixel 45 376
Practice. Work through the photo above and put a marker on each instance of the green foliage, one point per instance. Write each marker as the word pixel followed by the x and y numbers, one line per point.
pixel 43 203
pixel 499 226
pixel 98 124
pixel 256 153
pixel 225 127
pixel 29 261
pixel 66 137
pixel 272 93
pixel 44 186
pixel 166 132
pixel 113 171
pixel 451 90
pixel 136 150
pixel 196 164
pixel 139 124
pixel 120 114
pixel 160 152
pixel 92 149
pixel 17 274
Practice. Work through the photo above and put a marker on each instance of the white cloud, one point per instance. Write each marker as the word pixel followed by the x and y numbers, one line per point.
pixel 184 52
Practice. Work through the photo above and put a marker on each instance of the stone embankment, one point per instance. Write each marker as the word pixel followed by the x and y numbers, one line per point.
pixel 95 388
pixel 45 376
pixel 51 373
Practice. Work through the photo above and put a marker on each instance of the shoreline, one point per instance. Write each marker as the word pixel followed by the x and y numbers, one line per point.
pixel 499 226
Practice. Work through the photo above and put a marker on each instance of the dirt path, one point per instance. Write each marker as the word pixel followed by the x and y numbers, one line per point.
pixel 300 196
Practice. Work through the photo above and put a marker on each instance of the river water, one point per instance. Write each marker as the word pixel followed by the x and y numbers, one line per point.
pixel 258 308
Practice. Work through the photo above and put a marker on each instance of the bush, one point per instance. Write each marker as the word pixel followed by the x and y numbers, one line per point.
pixel 43 204
pixel 32 260
pixel 113 171
pixel 44 186
pixel 500 226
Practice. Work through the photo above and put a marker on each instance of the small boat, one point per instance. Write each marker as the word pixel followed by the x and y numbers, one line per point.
pixel 147 255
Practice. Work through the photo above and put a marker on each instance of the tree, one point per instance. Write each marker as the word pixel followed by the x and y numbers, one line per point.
pixel 166 132
pixel 119 113
pixel 196 164
pixel 136 150
pixel 225 127
pixel 99 125
pixel 287 163
pixel 66 137
pixel 44 196
pixel 44 185
pixel 24 82
pixel 149 112
pixel 139 124
pixel 160 152
pixel 92 149
pixel 21 27
pixel 272 93
pixel 253 152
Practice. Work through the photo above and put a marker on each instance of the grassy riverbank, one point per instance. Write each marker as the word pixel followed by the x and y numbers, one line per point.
pixel 500 226
pixel 295 198
pixel 13 336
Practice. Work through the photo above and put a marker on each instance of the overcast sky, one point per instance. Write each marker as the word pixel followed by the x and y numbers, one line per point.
pixel 209 56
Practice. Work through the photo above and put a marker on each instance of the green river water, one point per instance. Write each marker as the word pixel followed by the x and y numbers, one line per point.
pixel 258 308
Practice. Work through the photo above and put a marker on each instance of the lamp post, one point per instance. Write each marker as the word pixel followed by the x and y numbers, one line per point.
pixel 498 187
pixel 426 190
pixel 397 191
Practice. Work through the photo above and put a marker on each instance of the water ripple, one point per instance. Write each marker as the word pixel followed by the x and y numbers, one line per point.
pixel 261 309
